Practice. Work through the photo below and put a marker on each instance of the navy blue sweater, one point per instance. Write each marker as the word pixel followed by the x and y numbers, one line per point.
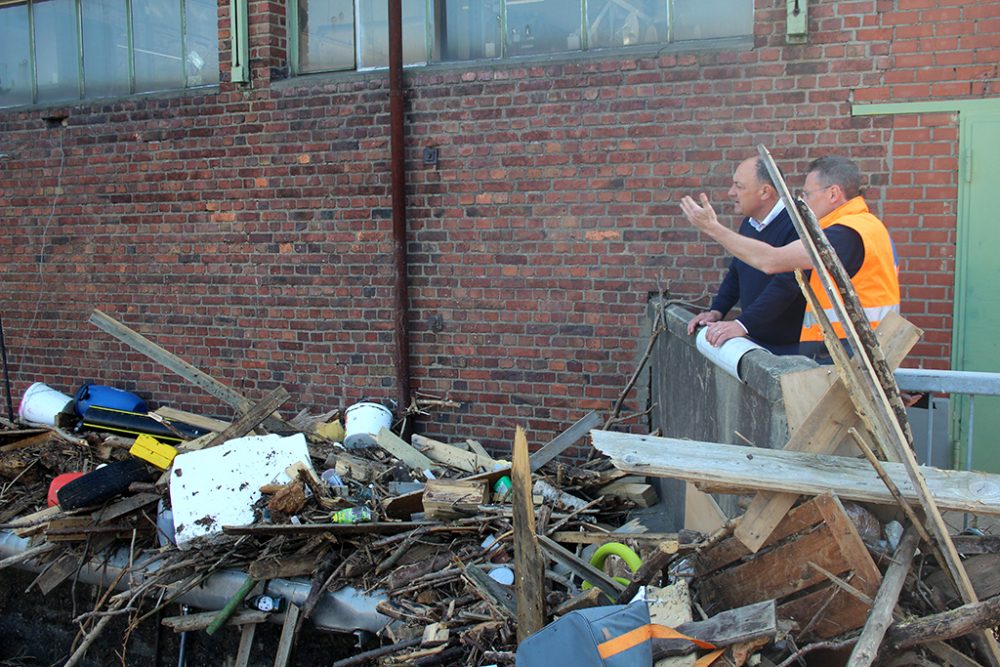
pixel 772 306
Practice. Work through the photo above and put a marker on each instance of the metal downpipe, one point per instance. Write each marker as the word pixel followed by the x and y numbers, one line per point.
pixel 398 161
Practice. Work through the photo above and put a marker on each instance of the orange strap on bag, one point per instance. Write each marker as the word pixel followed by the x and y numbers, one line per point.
pixel 650 631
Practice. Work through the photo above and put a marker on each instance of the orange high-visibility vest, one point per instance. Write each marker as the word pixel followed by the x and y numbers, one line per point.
pixel 876 282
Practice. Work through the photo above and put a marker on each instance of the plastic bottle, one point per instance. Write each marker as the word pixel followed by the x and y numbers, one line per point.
pixel 502 489
pixel 352 515
pixel 267 603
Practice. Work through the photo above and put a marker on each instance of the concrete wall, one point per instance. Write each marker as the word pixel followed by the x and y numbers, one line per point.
pixel 695 399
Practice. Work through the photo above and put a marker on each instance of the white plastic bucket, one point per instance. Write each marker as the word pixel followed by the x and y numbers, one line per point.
pixel 41 404
pixel 363 421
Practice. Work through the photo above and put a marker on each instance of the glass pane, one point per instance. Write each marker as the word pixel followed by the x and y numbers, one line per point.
pixel 15 56
pixel 543 26
pixel 612 23
pixel 156 41
pixel 57 60
pixel 697 19
pixel 326 35
pixel 201 42
pixel 105 48
pixel 374 33
pixel 467 29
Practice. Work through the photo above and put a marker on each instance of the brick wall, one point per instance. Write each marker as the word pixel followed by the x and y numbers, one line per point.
pixel 249 231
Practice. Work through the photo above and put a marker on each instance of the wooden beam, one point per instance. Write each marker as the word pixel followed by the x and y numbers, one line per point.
pixel 450 455
pixel 880 618
pixel 529 569
pixel 403 451
pixel 581 568
pixel 564 440
pixel 246 645
pixel 140 343
pixel 248 421
pixel 289 629
pixel 736 469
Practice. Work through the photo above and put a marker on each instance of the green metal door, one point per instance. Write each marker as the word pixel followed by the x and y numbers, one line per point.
pixel 976 341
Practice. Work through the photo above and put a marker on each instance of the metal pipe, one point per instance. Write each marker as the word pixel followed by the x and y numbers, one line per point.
pixel 346 610
pixel 398 161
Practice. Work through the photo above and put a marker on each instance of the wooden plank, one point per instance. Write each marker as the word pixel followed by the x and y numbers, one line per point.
pixel 59 571
pixel 701 512
pixel 403 451
pixel 387 528
pixel 200 621
pixel 501 596
pixel 207 423
pixel 580 567
pixel 125 506
pixel 821 432
pixel 252 417
pixel 629 488
pixel 576 537
pixel 802 391
pixel 246 645
pixel 529 569
pixel 452 456
pixel 866 648
pixel 141 344
pixel 735 626
pixel 453 498
pixel 289 629
pixel 735 469
pixel 564 440
pixel 28 441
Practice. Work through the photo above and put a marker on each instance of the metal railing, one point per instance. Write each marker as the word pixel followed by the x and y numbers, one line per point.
pixel 968 384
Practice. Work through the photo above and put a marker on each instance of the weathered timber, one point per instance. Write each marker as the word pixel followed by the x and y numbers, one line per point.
pixel 946 625
pixel 334 528
pixel 727 628
pixel 866 648
pixel 200 621
pixel 182 368
pixel 453 498
pixel 529 569
pixel 581 568
pixel 733 468
pixel 651 566
pixel 471 462
pixel 403 451
pixel 564 440
pixel 252 417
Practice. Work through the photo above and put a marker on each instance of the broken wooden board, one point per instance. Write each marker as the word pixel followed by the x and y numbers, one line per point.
pixel 403 451
pixel 207 423
pixel 815 538
pixel 819 425
pixel 564 440
pixel 453 498
pixel 529 568
pixel 735 469
pixel 701 511
pixel 756 621
pixel 451 456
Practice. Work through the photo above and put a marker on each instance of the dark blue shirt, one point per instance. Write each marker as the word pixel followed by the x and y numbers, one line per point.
pixel 772 306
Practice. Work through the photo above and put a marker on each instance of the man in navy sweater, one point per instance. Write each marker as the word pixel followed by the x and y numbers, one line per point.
pixel 772 305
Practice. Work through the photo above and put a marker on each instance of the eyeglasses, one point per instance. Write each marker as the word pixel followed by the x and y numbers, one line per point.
pixel 806 194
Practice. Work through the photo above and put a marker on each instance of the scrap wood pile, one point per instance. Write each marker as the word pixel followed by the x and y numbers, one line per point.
pixel 424 531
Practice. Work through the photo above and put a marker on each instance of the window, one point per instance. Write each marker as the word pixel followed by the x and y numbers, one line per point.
pixel 353 34
pixel 64 50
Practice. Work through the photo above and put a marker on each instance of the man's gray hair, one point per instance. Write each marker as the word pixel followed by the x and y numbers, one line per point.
pixel 838 170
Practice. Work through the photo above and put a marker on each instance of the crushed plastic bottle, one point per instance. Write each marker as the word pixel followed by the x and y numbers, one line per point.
pixel 352 515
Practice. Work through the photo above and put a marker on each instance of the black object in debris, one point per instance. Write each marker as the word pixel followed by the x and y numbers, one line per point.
pixel 102 484
pixel 6 376
pixel 136 423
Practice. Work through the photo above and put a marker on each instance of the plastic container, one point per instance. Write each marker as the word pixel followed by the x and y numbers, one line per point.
pixel 41 404
pixel 352 515
pixel 502 489
pixel 107 397
pixel 58 482
pixel 363 421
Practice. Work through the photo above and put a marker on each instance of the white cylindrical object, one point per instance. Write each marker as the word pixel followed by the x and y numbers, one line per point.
pixel 41 404
pixel 362 422
pixel 727 356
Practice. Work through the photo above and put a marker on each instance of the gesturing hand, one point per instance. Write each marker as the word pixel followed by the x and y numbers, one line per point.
pixel 701 216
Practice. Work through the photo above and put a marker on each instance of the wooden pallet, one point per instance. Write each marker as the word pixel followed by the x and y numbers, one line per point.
pixel 815 540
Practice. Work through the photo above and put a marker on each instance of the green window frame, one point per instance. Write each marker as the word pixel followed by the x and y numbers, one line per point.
pixel 54 51
pixel 337 35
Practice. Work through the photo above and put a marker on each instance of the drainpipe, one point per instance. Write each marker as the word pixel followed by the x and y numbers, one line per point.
pixel 398 160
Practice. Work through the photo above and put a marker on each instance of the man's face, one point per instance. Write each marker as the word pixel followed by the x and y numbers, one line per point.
pixel 747 192
pixel 821 198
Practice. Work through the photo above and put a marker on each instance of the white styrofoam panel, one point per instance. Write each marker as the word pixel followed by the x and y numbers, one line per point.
pixel 216 487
